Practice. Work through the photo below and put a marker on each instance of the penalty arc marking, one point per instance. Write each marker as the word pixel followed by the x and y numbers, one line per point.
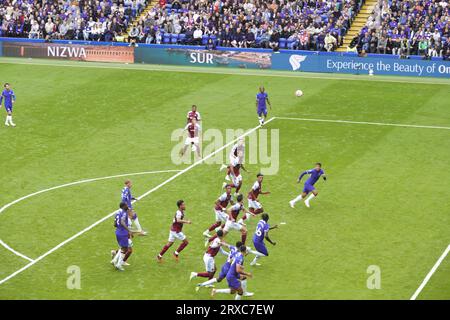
pixel 6 206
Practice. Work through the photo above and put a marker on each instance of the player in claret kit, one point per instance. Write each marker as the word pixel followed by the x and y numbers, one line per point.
pixel 232 224
pixel 193 131
pixel 309 188
pixel 193 114
pixel 208 258
pixel 254 206
pixel 176 232
pixel 220 209
pixel 237 277
pixel 225 267
pixel 128 199
pixel 10 98
pixel 261 233
pixel 123 234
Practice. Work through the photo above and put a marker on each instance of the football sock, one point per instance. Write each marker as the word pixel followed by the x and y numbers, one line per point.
pixel 243 238
pixel 255 259
pixel 116 257
pixel 204 274
pixel 181 247
pixel 214 226
pixel 137 224
pixel 244 285
pixel 256 253
pixel 311 196
pixel 223 291
pixel 127 255
pixel 207 283
pixel 238 297
pixel 164 249
pixel 297 199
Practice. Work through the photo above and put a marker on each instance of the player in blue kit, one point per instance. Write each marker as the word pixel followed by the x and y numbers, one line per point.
pixel 10 99
pixel 309 188
pixel 261 108
pixel 123 233
pixel 128 199
pixel 225 267
pixel 261 233
pixel 236 276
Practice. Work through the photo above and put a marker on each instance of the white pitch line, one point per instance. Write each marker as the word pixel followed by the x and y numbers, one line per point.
pixel 41 257
pixel 64 186
pixel 432 271
pixel 17 253
pixel 366 123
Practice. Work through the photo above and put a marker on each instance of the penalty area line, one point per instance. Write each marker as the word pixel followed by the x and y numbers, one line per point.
pixel 366 123
pixel 17 253
pixel 198 162
pixel 430 274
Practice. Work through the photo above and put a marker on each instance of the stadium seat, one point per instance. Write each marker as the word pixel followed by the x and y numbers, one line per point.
pixel 173 38
pixel 205 40
pixel 166 38
pixel 282 43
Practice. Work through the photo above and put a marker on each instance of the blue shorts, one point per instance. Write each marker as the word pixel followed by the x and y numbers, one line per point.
pixel 8 108
pixel 261 247
pixel 233 283
pixel 224 270
pixel 122 240
pixel 308 188
pixel 262 111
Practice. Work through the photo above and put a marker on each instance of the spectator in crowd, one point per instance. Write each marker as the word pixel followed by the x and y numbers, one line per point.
pixel 330 42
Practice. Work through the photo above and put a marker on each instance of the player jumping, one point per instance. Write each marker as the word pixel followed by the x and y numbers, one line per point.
pixel 261 233
pixel 315 174
pixel 236 276
pixel 254 206
pixel 123 234
pixel 220 209
pixel 10 99
pixel 193 130
pixel 231 224
pixel 193 114
pixel 261 108
pixel 128 199
pixel 176 232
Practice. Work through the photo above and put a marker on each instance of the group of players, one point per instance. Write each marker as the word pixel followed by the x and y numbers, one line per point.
pixel 227 208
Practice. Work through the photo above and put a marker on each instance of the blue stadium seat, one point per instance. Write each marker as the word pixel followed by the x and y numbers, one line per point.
pixel 173 38
pixel 282 43
pixel 166 38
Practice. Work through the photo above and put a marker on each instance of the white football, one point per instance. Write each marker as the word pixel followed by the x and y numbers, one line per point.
pixel 299 93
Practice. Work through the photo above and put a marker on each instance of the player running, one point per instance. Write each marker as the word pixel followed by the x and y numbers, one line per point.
pixel 261 108
pixel 261 233
pixel 128 199
pixel 10 99
pixel 254 206
pixel 193 130
pixel 208 258
pixel 315 174
pixel 236 276
pixel 225 267
pixel 220 209
pixel 176 232
pixel 193 114
pixel 123 233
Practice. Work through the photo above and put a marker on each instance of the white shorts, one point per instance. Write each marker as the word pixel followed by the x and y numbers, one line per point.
pixel 221 215
pixel 176 235
pixel 210 266
pixel 254 204
pixel 230 225
pixel 236 180
pixel 190 140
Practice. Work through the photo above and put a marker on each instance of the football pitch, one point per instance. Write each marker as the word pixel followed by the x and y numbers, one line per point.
pixel 83 128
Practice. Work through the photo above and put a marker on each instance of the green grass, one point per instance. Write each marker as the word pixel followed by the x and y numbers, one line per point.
pixel 384 203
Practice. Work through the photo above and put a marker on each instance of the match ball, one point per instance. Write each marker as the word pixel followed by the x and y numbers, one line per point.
pixel 299 93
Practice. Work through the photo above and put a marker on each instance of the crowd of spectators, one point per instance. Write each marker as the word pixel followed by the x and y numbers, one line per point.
pixel 101 20
pixel 407 27
pixel 297 24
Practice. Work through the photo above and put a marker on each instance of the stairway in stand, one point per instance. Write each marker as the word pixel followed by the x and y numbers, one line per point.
pixel 150 5
pixel 358 23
